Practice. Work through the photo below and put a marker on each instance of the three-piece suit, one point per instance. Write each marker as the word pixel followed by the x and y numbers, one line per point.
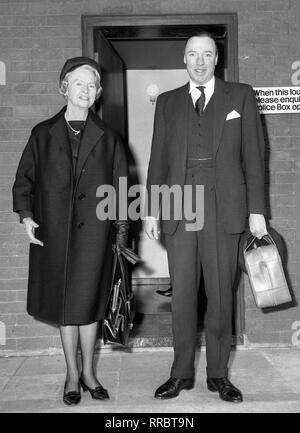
pixel 223 150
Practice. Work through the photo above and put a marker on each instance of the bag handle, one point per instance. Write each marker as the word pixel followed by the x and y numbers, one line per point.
pixel 128 253
pixel 268 238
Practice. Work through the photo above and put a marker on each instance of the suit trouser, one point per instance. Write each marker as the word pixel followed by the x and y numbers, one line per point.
pixel 215 251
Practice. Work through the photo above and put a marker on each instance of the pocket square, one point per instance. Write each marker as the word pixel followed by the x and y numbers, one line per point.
pixel 232 115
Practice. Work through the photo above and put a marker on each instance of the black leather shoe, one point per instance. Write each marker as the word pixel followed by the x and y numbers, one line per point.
pixel 98 393
pixel 71 397
pixel 227 391
pixel 172 387
pixel 167 293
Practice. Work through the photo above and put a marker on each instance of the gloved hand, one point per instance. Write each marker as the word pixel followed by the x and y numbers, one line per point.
pixel 122 228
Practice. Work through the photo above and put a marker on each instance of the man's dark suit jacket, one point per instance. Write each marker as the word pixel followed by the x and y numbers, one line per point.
pixel 238 150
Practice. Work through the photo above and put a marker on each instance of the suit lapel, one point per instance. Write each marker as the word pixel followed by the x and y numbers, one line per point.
pixel 221 107
pixel 91 135
pixel 181 110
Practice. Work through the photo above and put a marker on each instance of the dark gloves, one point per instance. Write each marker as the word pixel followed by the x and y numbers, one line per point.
pixel 122 228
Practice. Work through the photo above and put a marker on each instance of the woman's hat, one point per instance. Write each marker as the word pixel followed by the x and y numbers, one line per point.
pixel 75 62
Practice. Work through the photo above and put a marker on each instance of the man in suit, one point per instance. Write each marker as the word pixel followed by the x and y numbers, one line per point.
pixel 209 133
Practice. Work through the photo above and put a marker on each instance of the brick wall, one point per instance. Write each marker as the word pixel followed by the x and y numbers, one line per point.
pixel 35 39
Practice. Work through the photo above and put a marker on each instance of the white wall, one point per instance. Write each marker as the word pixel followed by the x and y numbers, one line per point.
pixel 140 127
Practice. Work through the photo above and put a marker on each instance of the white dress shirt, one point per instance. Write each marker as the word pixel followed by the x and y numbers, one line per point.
pixel 208 91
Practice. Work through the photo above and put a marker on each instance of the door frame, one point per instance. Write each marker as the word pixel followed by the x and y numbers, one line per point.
pixel 90 23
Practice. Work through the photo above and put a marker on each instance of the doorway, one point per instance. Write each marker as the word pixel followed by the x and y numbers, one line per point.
pixel 136 52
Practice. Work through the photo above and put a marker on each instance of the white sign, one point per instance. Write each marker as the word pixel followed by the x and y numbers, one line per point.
pixel 2 74
pixel 274 100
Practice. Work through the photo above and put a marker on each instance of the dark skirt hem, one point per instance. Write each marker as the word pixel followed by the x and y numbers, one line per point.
pixel 56 323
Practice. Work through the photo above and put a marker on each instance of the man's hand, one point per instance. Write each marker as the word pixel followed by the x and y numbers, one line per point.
pixel 30 227
pixel 151 228
pixel 257 225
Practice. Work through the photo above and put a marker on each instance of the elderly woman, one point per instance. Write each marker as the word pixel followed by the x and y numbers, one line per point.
pixel 65 160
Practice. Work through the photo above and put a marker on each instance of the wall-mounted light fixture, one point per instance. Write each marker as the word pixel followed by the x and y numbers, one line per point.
pixel 153 92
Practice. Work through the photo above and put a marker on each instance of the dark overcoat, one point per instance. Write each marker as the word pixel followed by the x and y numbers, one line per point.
pixel 69 276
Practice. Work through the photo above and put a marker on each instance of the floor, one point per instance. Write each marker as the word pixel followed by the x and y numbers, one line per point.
pixel 268 377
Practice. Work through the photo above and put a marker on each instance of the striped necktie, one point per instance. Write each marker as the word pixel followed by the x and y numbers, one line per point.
pixel 199 105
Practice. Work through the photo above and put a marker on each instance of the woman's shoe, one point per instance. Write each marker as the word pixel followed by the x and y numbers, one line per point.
pixel 98 393
pixel 71 397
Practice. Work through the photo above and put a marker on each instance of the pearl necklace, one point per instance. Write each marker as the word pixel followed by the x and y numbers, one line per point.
pixel 72 129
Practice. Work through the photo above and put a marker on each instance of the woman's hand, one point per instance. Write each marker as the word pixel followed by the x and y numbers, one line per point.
pixel 30 227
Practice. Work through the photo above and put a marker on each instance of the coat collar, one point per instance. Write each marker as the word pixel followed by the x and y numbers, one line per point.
pixel 93 132
pixel 91 135
pixel 58 130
